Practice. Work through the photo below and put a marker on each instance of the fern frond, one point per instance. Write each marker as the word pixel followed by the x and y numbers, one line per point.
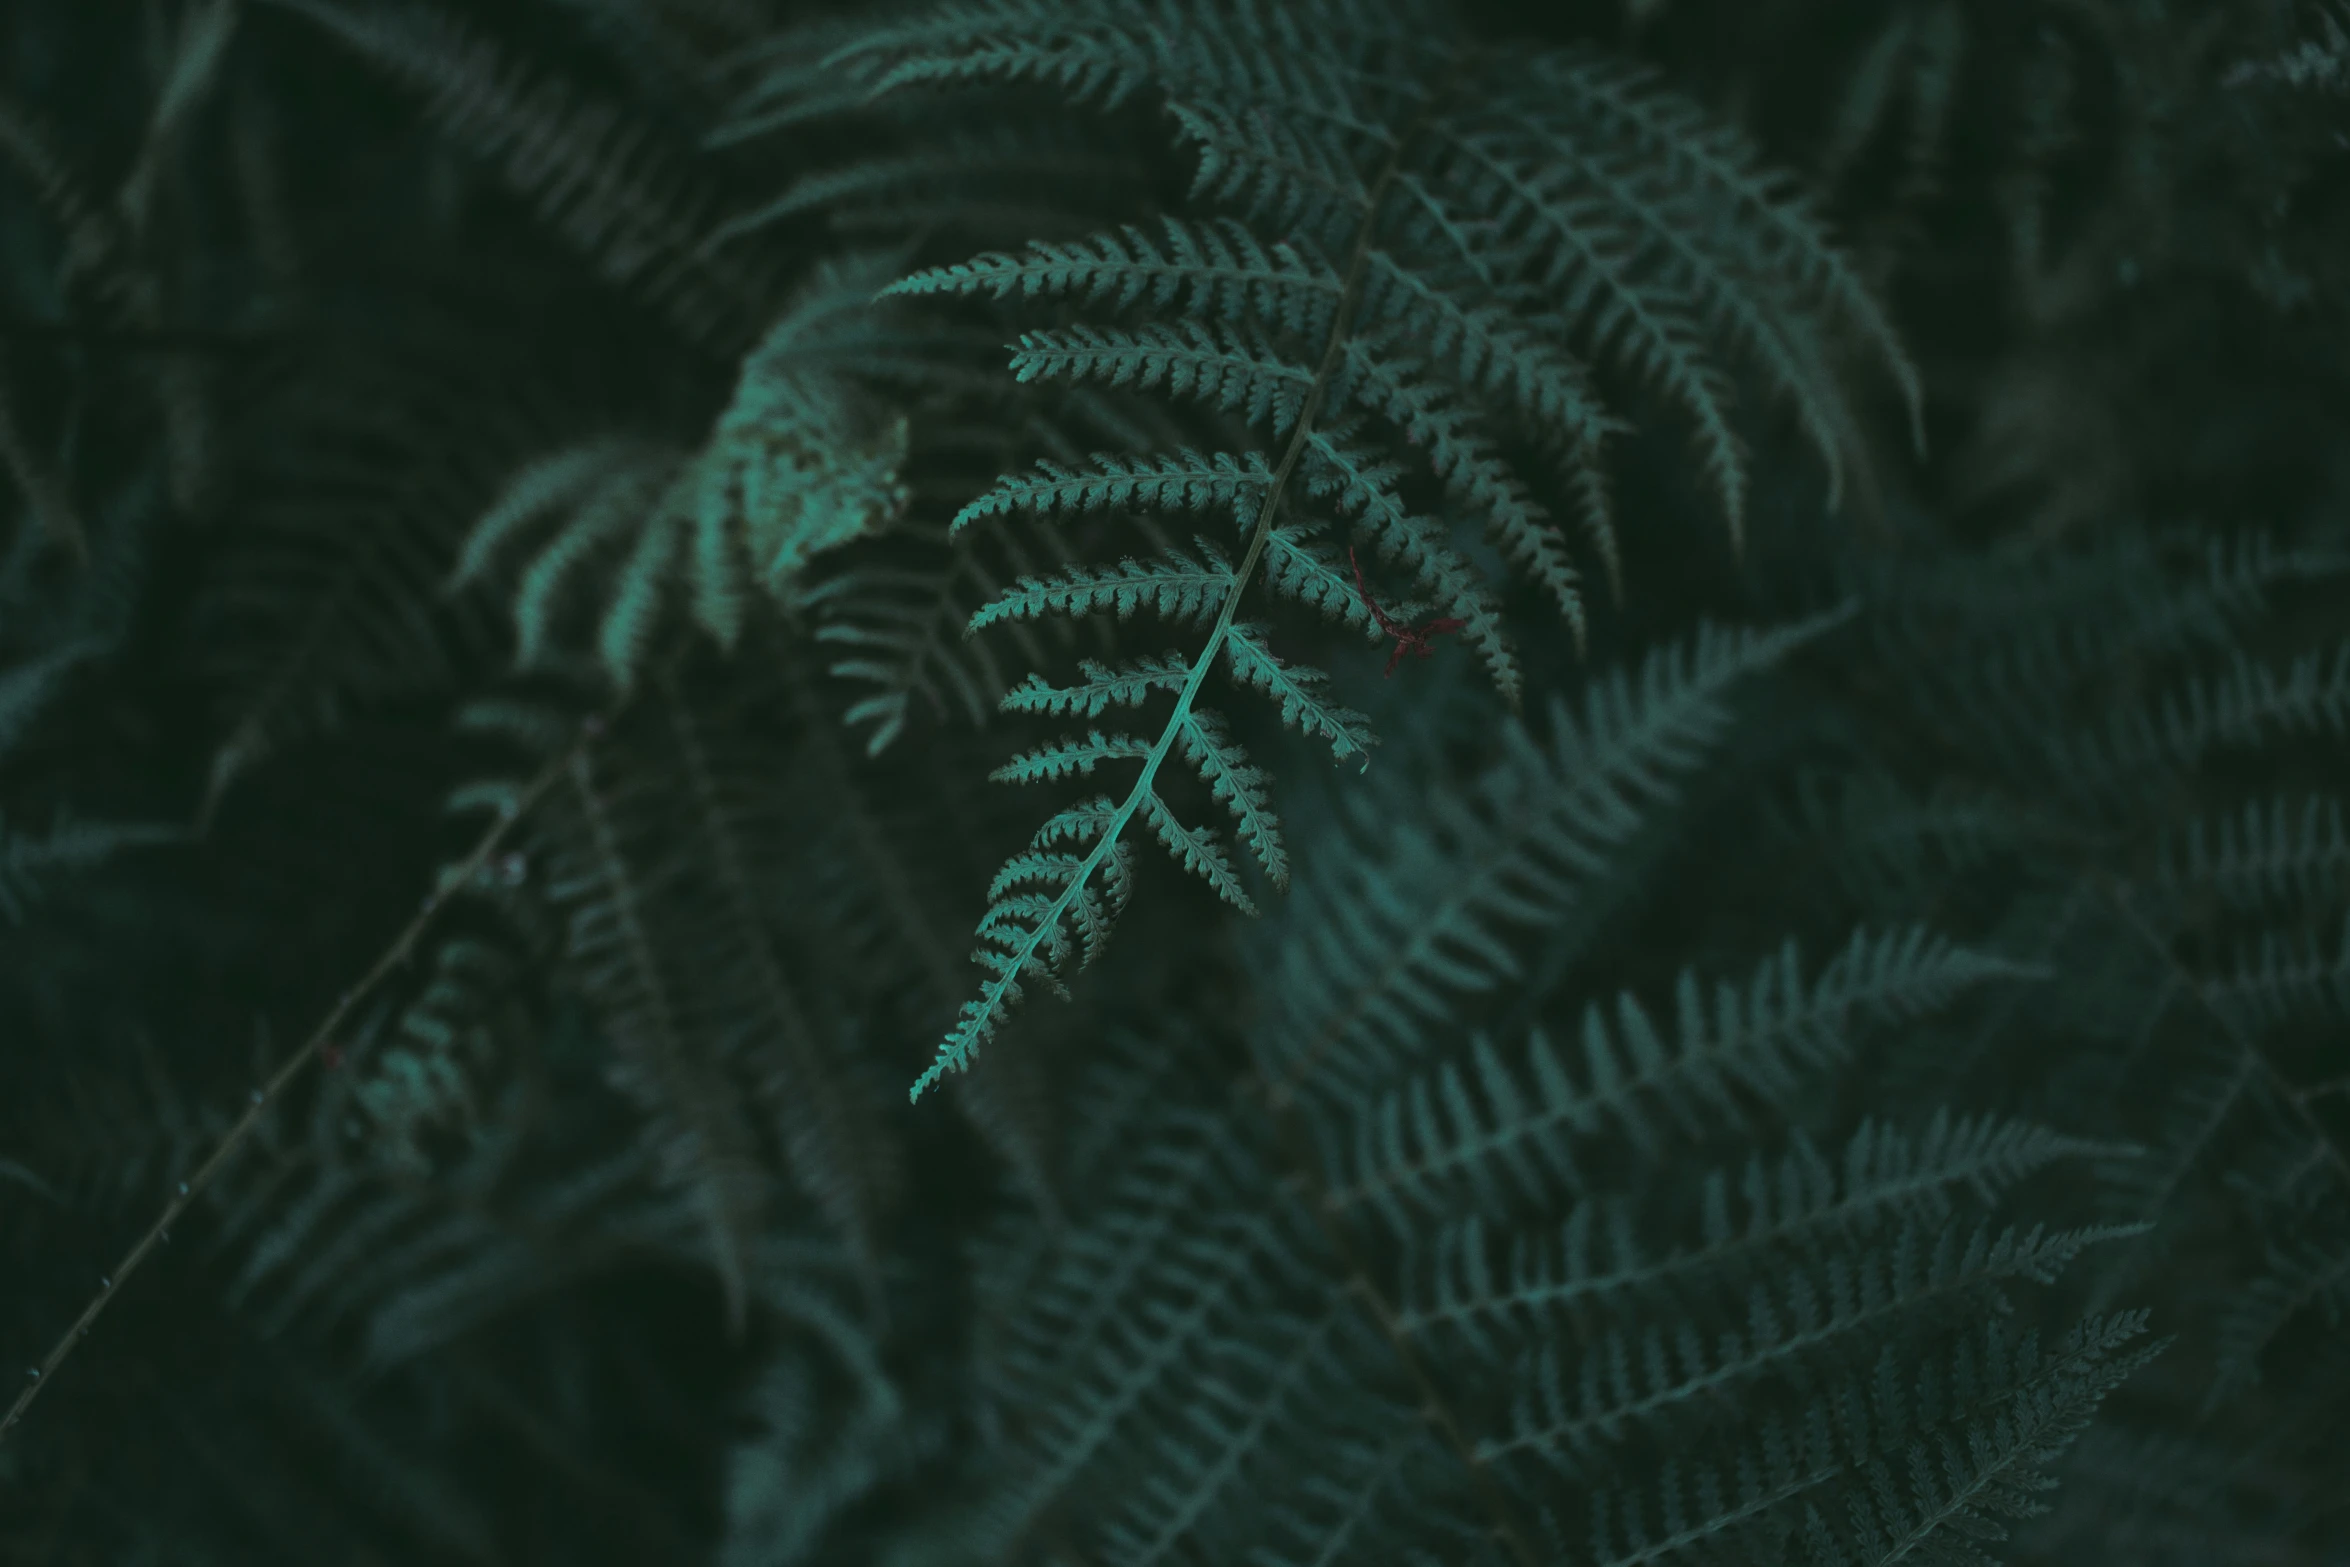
pixel 1301 692
pixel 1373 138
pixel 1241 785
pixel 708 1145
pixel 604 183
pixel 421 1085
pixel 1432 914
pixel 797 465
pixel 1727 165
pixel 1298 566
pixel 1888 846
pixel 1188 481
pixel 893 619
pixel 1485 346
pixel 1178 586
pixel 1198 851
pixel 1595 1261
pixel 2306 1268
pixel 1001 40
pixel 1054 1306
pixel 1276 1384
pixel 1362 488
pixel 323 606
pixel 1445 1138
pixel 1650 332
pixel 789 473
pixel 972 173
pixel 1988 1459
pixel 1184 1261
pixel 1026 935
pixel 1233 371
pixel 1647 1378
pixel 1475 479
pixel 1217 270
pixel 833 1150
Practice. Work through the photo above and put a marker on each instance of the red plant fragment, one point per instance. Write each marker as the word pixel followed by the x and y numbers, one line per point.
pixel 1414 639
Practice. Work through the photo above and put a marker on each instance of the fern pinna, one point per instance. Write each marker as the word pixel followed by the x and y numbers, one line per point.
pixel 1429 249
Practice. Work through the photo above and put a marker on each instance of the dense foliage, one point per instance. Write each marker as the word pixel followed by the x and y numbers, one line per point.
pixel 1726 612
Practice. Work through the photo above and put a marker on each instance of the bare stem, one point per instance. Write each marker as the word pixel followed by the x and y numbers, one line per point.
pixel 261 1099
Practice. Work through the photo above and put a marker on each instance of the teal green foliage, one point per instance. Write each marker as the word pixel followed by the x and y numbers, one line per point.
pixel 1438 199
pixel 786 474
pixel 532 531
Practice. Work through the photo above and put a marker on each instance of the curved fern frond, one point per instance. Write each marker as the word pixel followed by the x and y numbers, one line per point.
pixel 1103 687
pixel 1728 165
pixel 604 183
pixel 1429 172
pixel 2005 1417
pixel 1241 785
pixel 796 466
pixel 322 606
pixel 1443 885
pixel 1301 693
pixel 707 1143
pixel 892 619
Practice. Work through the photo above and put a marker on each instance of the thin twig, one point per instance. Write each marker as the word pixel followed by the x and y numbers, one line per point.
pixel 261 1099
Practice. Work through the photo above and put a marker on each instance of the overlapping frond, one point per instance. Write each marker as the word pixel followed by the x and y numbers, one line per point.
pixel 1392 937
pixel 797 465
pixel 600 178
pixel 1455 1137
pixel 1405 288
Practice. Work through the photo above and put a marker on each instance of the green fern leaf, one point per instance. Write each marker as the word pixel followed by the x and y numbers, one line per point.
pixel 1227 370
pixel 1188 481
pixel 1232 778
pixel 1219 269
pixel 796 466
pixel 1104 687
pixel 1442 188
pixel 1302 693
pixel 1989 1462
pixel 1539 828
pixel 1065 759
pixel 1175 585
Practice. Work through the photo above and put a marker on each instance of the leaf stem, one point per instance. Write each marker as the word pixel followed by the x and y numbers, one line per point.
pixel 956 1051
pixel 262 1099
